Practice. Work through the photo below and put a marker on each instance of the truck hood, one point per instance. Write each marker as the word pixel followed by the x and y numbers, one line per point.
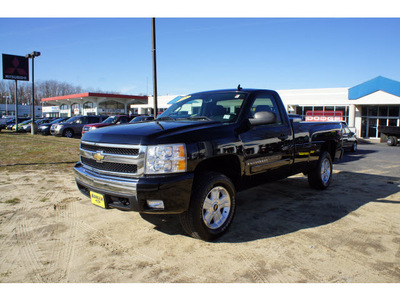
pixel 151 133
pixel 98 125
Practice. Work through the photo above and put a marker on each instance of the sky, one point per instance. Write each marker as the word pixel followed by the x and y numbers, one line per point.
pixel 114 54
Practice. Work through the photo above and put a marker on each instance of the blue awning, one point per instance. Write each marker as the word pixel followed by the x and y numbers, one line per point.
pixel 371 86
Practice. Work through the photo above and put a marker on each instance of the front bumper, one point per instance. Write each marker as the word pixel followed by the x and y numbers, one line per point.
pixel 56 131
pixel 132 193
pixel 44 130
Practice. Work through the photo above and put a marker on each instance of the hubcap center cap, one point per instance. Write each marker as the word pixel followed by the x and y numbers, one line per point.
pixel 215 207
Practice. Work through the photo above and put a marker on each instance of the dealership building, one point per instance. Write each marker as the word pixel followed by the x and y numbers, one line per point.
pixel 102 104
pixel 86 104
pixel 364 107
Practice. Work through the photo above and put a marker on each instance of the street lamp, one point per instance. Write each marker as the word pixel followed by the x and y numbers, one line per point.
pixel 6 103
pixel 33 55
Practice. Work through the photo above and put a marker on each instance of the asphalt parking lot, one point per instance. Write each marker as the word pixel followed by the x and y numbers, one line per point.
pixel 283 232
pixel 372 155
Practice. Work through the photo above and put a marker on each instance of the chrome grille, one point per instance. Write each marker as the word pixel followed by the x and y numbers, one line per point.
pixel 111 150
pixel 113 159
pixel 109 166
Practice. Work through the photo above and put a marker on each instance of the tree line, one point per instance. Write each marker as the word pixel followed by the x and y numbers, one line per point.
pixel 43 89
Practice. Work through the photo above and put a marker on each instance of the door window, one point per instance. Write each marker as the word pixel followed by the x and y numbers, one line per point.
pixel 266 103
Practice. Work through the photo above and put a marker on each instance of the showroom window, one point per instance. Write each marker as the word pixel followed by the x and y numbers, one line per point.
pixel 378 115
pixel 88 104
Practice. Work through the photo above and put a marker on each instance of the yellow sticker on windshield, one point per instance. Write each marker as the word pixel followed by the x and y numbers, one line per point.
pixel 183 98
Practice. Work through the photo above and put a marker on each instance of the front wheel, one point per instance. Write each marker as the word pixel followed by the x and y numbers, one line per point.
pixel 354 147
pixel 320 178
pixel 68 133
pixel 212 207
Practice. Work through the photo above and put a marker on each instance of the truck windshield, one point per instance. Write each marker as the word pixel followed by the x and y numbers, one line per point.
pixel 223 107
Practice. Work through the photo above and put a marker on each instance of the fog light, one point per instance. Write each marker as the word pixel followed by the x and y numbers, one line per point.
pixel 157 204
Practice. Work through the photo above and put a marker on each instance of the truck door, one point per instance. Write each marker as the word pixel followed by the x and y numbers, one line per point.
pixel 268 148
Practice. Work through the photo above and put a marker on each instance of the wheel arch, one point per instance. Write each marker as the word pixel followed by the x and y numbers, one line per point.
pixel 330 147
pixel 229 165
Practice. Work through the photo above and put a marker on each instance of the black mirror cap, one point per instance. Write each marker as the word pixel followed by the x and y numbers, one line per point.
pixel 263 118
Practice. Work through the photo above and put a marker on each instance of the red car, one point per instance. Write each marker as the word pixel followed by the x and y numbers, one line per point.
pixel 112 120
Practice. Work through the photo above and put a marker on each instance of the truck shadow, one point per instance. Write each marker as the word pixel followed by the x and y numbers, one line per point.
pixel 290 205
pixel 354 156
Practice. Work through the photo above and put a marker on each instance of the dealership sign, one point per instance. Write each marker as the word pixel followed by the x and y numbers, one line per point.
pixel 15 67
pixel 324 116
pixel 51 109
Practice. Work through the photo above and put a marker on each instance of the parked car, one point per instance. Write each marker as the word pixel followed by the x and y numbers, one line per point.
pixel 9 122
pixel 5 121
pixel 73 126
pixel 142 119
pixel 20 124
pixel 350 141
pixel 44 129
pixel 38 122
pixel 112 120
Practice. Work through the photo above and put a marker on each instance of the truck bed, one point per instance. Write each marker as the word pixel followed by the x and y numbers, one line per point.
pixel 389 130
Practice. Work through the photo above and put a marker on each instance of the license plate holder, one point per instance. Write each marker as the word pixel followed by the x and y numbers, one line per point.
pixel 98 199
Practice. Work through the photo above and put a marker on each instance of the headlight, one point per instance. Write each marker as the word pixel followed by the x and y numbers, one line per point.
pixel 163 159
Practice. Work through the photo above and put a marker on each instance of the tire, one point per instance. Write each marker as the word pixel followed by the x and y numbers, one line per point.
pixel 68 133
pixel 212 207
pixel 392 141
pixel 320 178
pixel 354 147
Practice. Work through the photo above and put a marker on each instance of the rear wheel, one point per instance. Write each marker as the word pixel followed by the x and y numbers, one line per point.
pixel 392 141
pixel 212 207
pixel 320 178
pixel 68 133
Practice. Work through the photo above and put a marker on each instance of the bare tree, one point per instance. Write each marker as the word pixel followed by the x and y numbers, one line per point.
pixel 43 89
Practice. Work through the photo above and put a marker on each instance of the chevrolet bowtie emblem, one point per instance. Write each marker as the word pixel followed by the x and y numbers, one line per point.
pixel 98 156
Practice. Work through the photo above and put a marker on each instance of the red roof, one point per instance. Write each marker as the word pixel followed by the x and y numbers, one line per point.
pixel 84 95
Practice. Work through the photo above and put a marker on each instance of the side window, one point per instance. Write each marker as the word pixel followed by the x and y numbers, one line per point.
pixel 266 103
pixel 123 120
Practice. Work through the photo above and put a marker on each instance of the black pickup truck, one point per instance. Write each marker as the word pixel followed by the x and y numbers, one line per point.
pixel 202 150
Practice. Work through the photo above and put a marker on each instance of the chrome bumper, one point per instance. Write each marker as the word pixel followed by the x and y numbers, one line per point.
pixel 121 186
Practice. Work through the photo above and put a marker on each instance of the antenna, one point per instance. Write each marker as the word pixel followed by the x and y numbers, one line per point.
pixel 239 88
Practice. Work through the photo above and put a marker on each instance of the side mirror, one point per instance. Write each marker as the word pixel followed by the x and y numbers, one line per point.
pixel 263 118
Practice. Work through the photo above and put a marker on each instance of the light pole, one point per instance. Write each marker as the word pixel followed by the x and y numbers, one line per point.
pixel 153 29
pixel 33 55
pixel 7 103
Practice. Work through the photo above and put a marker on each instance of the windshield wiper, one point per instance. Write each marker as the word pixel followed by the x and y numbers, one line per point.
pixel 164 119
pixel 198 118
